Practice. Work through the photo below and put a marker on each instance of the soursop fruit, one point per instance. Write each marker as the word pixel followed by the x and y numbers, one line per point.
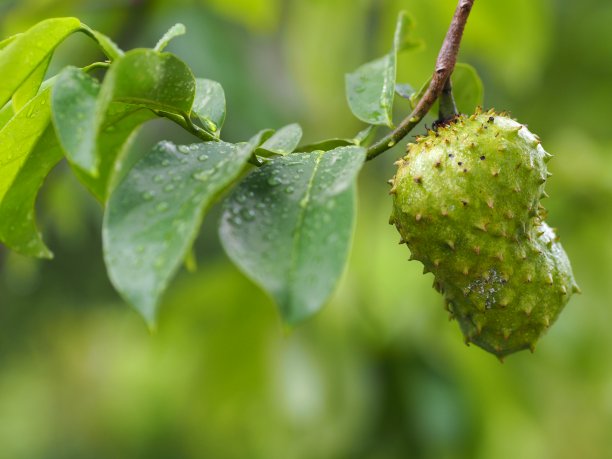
pixel 466 201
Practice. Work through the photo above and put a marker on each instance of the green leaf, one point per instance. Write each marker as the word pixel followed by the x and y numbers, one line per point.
pixel 154 215
pixel 289 225
pixel 28 50
pixel 29 88
pixel 74 101
pixel 22 171
pixel 364 136
pixel 120 126
pixel 209 105
pixel 6 113
pixel 370 90
pixel 175 31
pixel 18 229
pixel 141 78
pixel 468 89
pixel 159 81
pixel 330 144
pixel 108 46
pixel 7 41
pixel 416 96
pixel 282 142
pixel 326 145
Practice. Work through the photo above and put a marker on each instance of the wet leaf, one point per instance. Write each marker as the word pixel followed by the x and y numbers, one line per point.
pixel 140 78
pixel 468 89
pixel 209 105
pixel 29 88
pixel 154 215
pixel 289 225
pixel 120 126
pixel 370 90
pixel 23 165
pixel 361 138
pixel 27 51
pixel 74 101
pixel 159 81
pixel 282 142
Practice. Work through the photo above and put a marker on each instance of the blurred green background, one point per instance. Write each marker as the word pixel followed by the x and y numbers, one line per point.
pixel 380 373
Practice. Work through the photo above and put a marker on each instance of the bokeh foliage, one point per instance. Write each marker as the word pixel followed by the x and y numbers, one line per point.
pixel 379 373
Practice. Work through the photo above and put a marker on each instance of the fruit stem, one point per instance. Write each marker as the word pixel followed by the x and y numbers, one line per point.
pixel 447 57
pixel 448 108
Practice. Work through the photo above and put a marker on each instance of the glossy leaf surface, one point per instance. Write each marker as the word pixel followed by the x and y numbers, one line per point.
pixel 209 104
pixel 22 172
pixel 155 80
pixel 29 88
pixel 370 90
pixel 283 141
pixel 289 225
pixel 154 214
pixel 27 51
pixel 468 89
pixel 74 101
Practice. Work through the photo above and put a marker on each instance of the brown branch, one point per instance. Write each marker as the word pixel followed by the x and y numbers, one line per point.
pixel 445 64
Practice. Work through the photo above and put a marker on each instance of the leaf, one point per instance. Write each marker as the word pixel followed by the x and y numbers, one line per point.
pixel 175 31
pixel 7 41
pixel 209 105
pixel 370 90
pixel 18 229
pixel 6 113
pixel 141 78
pixel 18 140
pixel 289 224
pixel 282 142
pixel 120 126
pixel 28 50
pixel 29 88
pixel 160 81
pixel 74 101
pixel 154 215
pixel 415 97
pixel 468 89
pixel 108 46
pixel 364 136
pixel 325 145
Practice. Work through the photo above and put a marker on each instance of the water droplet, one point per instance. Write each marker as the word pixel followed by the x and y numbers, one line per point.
pixel 169 187
pixel 184 149
pixel 274 181
pixel 202 157
pixel 147 195
pixel 289 190
pixel 158 178
pixel 162 206
pixel 165 162
pixel 249 214
pixel 202 176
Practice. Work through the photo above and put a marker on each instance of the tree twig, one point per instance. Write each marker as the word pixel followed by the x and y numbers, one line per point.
pixel 447 57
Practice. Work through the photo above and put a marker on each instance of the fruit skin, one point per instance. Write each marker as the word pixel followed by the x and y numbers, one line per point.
pixel 466 201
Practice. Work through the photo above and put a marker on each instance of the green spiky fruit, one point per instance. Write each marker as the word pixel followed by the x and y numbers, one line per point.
pixel 466 201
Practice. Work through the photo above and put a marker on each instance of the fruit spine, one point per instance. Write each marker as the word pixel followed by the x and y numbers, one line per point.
pixel 466 201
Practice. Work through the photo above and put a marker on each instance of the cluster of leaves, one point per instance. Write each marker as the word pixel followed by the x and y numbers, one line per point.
pixel 287 223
